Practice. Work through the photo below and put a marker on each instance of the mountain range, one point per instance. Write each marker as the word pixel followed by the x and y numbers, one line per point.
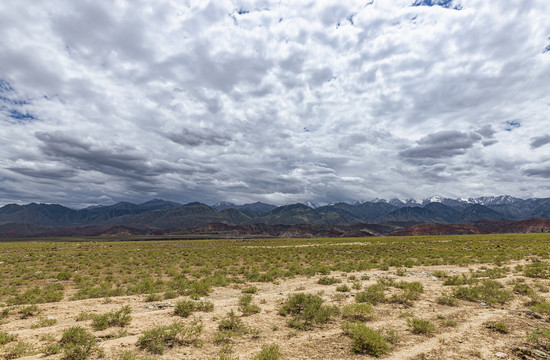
pixel 161 216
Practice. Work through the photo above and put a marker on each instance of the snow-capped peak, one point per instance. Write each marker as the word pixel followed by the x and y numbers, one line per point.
pixel 311 204
pixel 223 204
pixel 435 198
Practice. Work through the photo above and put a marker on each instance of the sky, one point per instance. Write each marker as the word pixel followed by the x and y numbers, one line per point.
pixel 274 101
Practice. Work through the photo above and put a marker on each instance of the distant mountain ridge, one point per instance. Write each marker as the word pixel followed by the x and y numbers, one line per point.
pixel 165 215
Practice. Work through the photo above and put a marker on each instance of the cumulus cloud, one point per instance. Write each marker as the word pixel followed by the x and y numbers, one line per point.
pixel 208 101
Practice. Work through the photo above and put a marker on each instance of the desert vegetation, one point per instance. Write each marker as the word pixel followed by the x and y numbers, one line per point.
pixel 396 298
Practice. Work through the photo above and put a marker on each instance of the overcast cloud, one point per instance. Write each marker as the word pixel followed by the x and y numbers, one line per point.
pixel 275 101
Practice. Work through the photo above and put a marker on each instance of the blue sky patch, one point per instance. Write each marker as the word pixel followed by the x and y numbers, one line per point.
pixel 9 103
pixel 511 125
pixel 449 4
pixel 5 86
pixel 17 115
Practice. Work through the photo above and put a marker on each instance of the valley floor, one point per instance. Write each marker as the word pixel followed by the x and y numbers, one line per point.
pixel 463 331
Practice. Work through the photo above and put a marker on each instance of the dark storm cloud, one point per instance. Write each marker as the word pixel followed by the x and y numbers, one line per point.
pixel 110 159
pixel 45 173
pixel 442 144
pixel 539 141
pixel 198 137
pixel 542 171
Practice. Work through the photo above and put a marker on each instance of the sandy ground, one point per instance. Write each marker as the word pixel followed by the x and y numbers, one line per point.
pixel 470 339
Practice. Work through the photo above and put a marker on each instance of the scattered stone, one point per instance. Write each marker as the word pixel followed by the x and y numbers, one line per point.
pixel 201 298
pixel 532 352
pixel 483 304
pixel 501 355
pixel 433 278
pixel 99 339
pixel 159 306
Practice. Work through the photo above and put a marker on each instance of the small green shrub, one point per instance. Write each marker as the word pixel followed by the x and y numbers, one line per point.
pixel 44 322
pixel 343 288
pixel 232 323
pixel 439 274
pixel 246 306
pixel 401 272
pixel 37 295
pixel 6 337
pixel 120 318
pixel 325 280
pixel 372 294
pixel 358 312
pixel 184 308
pixel 391 336
pixel 542 307
pixel 269 352
pixel 63 276
pixel 170 294
pixel 497 326
pixel 339 297
pixel 540 337
pixel 306 310
pixel 29 311
pixel 245 299
pixel 447 299
pixel 449 323
pixel 5 313
pixel 537 270
pixel 84 316
pixel 77 344
pixel 421 326
pixel 153 298
pixel 198 289
pixel 489 291
pixel 459 280
pixel 494 273
pixel 409 293
pixel 229 327
pixel 18 350
pixel 204 306
pixel 366 340
pixel 157 339
pixel 51 349
pixel 249 290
